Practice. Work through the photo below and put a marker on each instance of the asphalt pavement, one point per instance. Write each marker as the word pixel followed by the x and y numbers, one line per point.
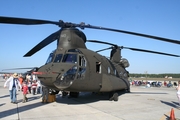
pixel 141 104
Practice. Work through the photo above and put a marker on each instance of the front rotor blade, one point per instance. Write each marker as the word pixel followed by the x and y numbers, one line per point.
pixel 149 51
pixel 134 33
pixel 25 21
pixel 104 49
pixel 43 43
pixel 96 41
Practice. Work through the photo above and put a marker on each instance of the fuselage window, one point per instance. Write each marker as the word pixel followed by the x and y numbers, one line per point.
pixel 109 70
pixel 50 58
pixel 70 74
pixel 58 58
pixel 121 74
pixel 70 58
pixel 81 73
pixel 82 67
pixel 82 61
pixel 115 72
pixel 98 67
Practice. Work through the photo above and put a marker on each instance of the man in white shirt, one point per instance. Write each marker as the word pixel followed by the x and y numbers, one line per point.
pixel 13 84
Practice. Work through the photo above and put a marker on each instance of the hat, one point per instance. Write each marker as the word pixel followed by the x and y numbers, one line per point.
pixel 15 75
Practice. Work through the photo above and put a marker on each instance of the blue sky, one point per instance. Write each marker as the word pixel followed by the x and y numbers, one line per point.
pixel 153 17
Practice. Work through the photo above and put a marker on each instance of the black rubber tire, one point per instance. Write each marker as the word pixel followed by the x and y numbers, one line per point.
pixel 113 96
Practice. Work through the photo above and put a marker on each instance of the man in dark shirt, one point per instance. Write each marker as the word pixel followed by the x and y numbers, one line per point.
pixel 45 94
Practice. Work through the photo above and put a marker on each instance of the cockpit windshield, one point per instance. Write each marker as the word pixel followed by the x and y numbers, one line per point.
pixel 58 58
pixel 70 58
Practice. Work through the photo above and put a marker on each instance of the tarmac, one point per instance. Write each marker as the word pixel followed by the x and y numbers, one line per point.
pixel 141 104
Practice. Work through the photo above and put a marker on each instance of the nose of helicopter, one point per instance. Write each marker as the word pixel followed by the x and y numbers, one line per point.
pixel 44 74
pixel 59 75
pixel 66 78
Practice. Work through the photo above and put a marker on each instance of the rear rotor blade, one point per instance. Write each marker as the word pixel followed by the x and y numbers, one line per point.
pixel 149 51
pixel 43 43
pixel 135 49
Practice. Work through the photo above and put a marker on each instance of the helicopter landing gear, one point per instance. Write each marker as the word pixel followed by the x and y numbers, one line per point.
pixel 113 96
pixel 74 94
pixel 128 90
pixel 64 93
pixel 53 92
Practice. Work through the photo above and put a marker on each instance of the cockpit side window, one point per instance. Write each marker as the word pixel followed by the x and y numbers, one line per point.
pixel 70 58
pixel 50 58
pixel 58 58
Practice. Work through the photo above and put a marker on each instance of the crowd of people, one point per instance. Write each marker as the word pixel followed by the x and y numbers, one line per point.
pixel 30 84
pixel 153 83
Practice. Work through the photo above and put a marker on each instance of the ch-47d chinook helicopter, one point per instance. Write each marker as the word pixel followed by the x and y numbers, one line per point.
pixel 74 68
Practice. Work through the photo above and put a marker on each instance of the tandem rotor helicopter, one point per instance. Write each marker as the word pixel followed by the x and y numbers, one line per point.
pixel 73 67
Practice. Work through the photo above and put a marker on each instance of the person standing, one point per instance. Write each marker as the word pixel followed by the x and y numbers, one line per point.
pixel 178 91
pixel 45 94
pixel 14 85
pixel 21 80
pixel 25 92
pixel 39 87
pixel 34 87
pixel 29 84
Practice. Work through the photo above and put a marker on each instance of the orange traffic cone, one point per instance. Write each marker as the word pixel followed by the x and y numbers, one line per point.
pixel 172 116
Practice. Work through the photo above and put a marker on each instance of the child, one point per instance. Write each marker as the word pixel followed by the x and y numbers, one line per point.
pixel 25 92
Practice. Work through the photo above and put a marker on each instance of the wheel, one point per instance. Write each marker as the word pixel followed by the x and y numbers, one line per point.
pixel 64 93
pixel 113 96
pixel 53 92
pixel 128 90
pixel 74 94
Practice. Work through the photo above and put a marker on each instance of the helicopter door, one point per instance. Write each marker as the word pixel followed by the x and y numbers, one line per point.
pixel 82 67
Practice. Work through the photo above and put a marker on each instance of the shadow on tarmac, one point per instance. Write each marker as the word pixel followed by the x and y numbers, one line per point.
pixel 20 109
pixel 2 104
pixel 82 99
pixel 30 98
pixel 85 97
pixel 173 104
pixel 4 96
pixel 147 93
